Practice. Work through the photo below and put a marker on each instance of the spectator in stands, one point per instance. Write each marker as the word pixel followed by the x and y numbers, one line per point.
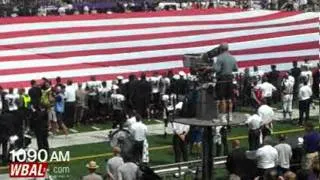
pixel 254 123
pixel 180 132
pixel 287 95
pixel 311 145
pixel 70 104
pixel 285 154
pixel 305 93
pixel 267 157
pixel 274 79
pixel 114 163
pixel 92 167
pixel 224 67
pixel 295 72
pixel 268 90
pixel 238 164
pixel 128 170
pixel 139 132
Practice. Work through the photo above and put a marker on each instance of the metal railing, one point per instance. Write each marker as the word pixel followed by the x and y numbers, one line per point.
pixel 186 170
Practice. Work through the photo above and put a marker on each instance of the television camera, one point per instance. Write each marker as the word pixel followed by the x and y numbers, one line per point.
pixel 201 64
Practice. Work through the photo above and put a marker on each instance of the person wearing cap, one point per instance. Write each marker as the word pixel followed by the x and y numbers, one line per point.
pixel 114 163
pixel 92 167
pixel 285 154
pixel 224 67
pixel 287 95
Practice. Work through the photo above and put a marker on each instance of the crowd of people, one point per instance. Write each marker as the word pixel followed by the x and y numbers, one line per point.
pixel 15 8
pixel 51 106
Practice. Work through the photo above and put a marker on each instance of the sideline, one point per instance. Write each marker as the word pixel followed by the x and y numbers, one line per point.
pixel 169 146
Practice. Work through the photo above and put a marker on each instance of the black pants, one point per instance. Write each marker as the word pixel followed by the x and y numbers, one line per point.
pixel 69 114
pixel 180 149
pixel 138 150
pixel 4 144
pixel 224 144
pixel 304 109
pixel 254 139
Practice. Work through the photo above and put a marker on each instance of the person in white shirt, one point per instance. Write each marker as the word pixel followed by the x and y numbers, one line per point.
pixel 305 93
pixel 70 103
pixel 287 95
pixel 285 154
pixel 254 123
pixel 267 90
pixel 267 157
pixel 139 132
pixel 180 132
pixel 266 113
pixel 306 74
pixel 12 100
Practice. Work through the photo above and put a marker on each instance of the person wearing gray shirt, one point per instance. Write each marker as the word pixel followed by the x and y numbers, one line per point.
pixel 224 67
pixel 113 164
pixel 128 171
pixel 285 154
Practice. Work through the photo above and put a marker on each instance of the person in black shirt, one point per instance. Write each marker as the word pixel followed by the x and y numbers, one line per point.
pixel 295 72
pixel 35 94
pixel 238 164
pixel 141 96
pixel 274 79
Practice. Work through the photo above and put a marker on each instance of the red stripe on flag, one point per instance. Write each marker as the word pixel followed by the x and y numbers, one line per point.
pixel 156 47
pixel 151 25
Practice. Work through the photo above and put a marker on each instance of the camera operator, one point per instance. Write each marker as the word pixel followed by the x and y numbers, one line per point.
pixel 224 67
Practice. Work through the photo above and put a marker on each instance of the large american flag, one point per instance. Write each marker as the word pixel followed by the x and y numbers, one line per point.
pixel 104 45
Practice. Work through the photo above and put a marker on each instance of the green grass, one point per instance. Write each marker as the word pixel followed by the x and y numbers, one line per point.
pixel 157 157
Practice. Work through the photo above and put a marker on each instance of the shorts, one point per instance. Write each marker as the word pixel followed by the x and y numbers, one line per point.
pixel 224 87
pixel 52 114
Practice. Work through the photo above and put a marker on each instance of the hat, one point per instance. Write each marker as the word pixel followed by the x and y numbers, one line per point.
pixel 119 77
pixel 115 87
pixel 92 165
pixel 181 73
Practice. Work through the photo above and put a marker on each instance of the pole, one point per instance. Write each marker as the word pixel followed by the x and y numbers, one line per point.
pixel 207 159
